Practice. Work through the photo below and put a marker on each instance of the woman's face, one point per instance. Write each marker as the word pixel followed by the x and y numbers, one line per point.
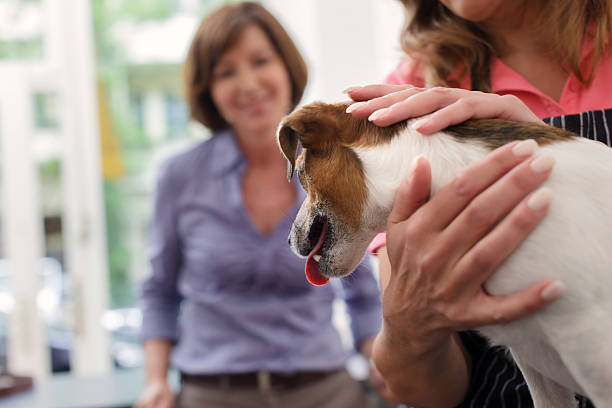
pixel 251 87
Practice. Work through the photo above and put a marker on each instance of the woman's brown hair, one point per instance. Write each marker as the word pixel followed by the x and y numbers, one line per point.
pixel 218 33
pixel 444 42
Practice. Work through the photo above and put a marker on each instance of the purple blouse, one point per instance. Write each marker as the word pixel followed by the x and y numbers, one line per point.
pixel 232 299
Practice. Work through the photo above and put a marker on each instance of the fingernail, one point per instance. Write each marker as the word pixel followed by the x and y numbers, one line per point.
pixel 352 88
pixel 377 114
pixel 354 106
pixel 542 163
pixel 415 163
pixel 413 167
pixel 540 199
pixel 553 291
pixel 416 125
pixel 525 148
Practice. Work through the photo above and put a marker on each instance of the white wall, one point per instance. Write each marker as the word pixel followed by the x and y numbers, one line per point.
pixel 345 42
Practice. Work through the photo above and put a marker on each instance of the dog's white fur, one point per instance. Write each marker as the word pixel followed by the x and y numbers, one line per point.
pixel 563 348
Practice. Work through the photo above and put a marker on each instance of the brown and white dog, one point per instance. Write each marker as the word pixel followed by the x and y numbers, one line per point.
pixel 351 170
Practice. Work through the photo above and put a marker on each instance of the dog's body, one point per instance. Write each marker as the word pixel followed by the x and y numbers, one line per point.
pixel 351 171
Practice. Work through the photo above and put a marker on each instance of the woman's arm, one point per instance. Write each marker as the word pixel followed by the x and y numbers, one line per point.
pixel 157 392
pixel 406 374
pixel 440 252
pixel 159 298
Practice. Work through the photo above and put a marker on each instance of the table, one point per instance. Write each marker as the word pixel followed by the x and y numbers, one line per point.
pixel 118 389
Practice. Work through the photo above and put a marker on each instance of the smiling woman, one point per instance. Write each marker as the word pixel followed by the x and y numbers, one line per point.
pixel 251 323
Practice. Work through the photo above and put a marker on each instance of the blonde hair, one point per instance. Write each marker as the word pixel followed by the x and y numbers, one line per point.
pixel 218 33
pixel 444 43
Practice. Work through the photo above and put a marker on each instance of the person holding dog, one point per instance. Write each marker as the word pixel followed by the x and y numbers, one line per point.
pixel 252 331
pixel 518 60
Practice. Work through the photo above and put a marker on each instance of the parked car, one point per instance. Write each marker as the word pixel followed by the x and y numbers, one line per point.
pixel 122 324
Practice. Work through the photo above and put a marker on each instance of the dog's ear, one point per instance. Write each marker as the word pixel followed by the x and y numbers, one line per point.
pixel 288 142
pixel 317 127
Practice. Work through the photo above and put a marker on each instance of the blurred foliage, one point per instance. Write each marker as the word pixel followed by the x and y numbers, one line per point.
pixel 141 10
pixel 116 72
pixel 118 252
pixel 106 14
pixel 30 48
pixel 50 169
pixel 26 47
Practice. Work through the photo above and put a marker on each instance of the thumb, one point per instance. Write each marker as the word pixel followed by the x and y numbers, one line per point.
pixel 412 193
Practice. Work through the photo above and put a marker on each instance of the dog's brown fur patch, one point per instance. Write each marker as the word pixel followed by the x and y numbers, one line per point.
pixel 327 133
pixel 338 176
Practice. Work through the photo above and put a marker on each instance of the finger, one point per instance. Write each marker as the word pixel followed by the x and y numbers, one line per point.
pixel 365 109
pixel 481 107
pixel 493 204
pixel 485 257
pixel 505 309
pixel 413 192
pixel 419 104
pixel 365 93
pixel 457 112
pixel 447 203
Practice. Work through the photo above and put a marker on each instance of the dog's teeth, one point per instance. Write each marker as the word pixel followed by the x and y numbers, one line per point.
pixel 316 257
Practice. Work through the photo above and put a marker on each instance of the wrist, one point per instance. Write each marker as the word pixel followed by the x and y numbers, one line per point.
pixel 416 344
pixel 435 365
pixel 365 348
pixel 157 379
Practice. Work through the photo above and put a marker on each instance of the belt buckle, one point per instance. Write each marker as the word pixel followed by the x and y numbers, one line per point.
pixel 264 382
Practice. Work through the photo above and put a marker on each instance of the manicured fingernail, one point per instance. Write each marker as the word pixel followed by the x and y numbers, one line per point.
pixel 415 163
pixel 540 199
pixel 354 106
pixel 377 114
pixel 525 148
pixel 416 125
pixel 352 88
pixel 542 163
pixel 553 291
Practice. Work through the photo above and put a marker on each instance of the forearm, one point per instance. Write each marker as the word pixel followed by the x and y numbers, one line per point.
pixel 157 355
pixel 418 369
pixel 436 376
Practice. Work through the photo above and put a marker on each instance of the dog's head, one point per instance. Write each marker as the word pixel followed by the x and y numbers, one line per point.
pixel 335 224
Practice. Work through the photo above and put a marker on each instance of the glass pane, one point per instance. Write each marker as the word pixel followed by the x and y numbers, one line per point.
pixel 46 110
pixel 6 299
pixel 21 29
pixel 141 45
pixel 53 297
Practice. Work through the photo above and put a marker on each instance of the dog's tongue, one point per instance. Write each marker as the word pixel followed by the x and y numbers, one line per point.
pixel 313 274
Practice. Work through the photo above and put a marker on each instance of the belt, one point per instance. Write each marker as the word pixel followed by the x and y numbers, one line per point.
pixel 262 380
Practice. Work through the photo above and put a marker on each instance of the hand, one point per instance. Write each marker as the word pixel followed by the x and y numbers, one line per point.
pixel 442 250
pixel 387 104
pixel 157 394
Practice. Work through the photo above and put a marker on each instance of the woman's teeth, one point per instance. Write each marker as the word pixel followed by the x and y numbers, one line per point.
pixel 317 258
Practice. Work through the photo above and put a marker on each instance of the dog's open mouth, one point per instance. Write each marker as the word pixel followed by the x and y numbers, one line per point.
pixel 313 273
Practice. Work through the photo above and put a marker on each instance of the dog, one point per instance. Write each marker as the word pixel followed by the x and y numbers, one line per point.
pixel 351 170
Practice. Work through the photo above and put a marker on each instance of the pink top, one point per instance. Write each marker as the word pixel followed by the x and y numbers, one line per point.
pixel 575 98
